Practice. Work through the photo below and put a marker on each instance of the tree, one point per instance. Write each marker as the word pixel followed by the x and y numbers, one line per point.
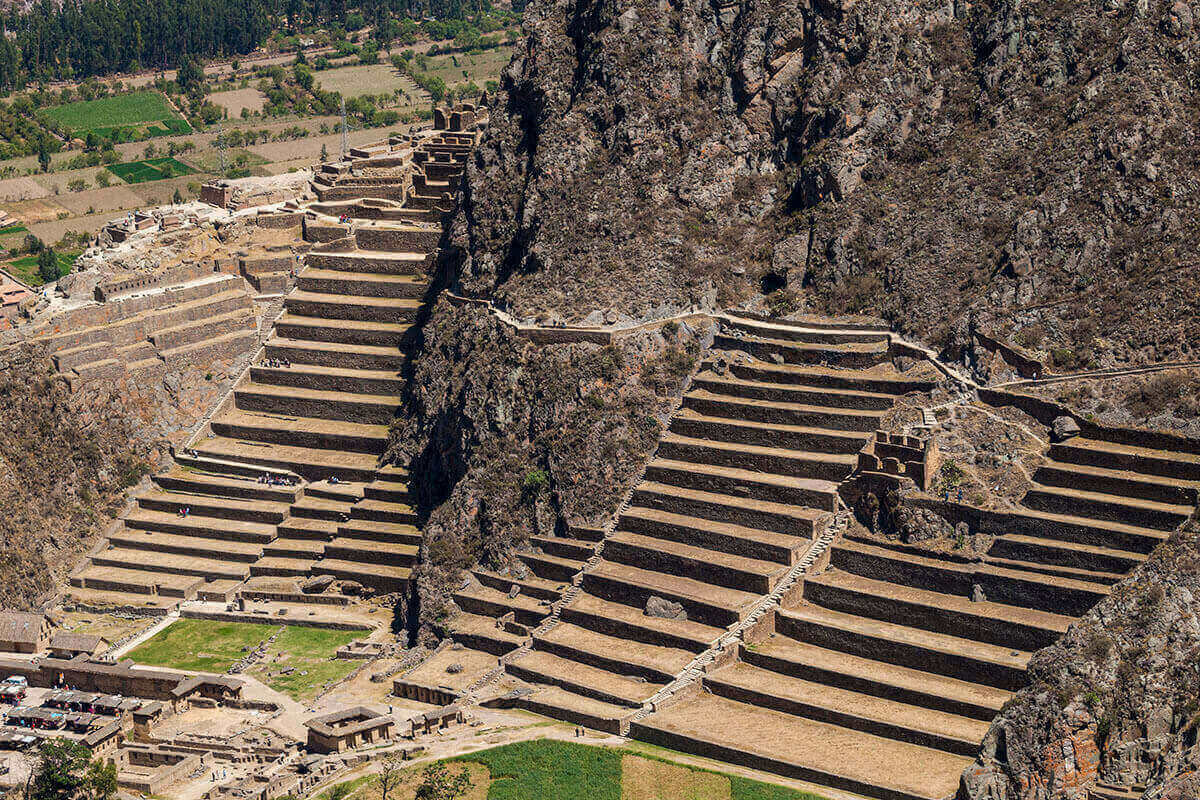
pixel 47 264
pixel 43 153
pixel 324 154
pixel 101 780
pixel 177 198
pixel 391 772
pixel 438 784
pixel 61 765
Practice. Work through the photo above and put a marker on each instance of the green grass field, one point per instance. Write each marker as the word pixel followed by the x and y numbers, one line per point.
pixel 147 110
pixel 151 169
pixel 564 770
pixel 26 269
pixel 18 228
pixel 210 646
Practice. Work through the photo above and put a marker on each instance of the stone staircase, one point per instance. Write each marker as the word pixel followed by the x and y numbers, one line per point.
pixel 313 410
pixel 744 478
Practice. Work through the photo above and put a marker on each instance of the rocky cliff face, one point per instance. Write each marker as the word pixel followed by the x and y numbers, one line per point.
pixel 1030 161
pixel 1115 699
pixel 65 462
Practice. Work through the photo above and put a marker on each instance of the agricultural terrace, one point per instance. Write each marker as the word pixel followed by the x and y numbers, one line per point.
pixel 150 169
pixel 563 770
pixel 298 663
pixel 479 67
pixel 140 112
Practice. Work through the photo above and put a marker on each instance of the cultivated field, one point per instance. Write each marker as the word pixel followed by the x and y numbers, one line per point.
pixel 366 79
pixel 26 269
pixel 150 169
pixel 235 100
pixel 148 111
pixel 480 68
pixel 563 770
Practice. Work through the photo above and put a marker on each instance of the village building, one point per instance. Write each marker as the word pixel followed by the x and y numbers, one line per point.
pixel 69 645
pixel 23 632
pixel 348 729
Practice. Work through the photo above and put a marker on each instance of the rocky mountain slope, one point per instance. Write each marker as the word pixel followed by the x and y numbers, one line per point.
pixel 65 461
pixel 1024 168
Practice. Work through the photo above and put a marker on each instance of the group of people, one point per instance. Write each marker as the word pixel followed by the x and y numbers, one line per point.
pixel 276 480
pixel 276 362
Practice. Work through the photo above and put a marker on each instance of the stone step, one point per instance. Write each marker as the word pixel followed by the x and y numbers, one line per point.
pixel 195 482
pixel 763 434
pixel 218 346
pixel 557 703
pixel 1145 460
pixel 321 530
pixel 330 379
pixel 316 507
pixel 992 623
pixel 355 307
pixel 696 563
pixel 1112 508
pixel 350 492
pixel 363 284
pixel 1117 482
pixel 817 494
pixel 186 545
pixel 803 749
pixel 718 606
pixel 483 633
pixel 203 527
pixel 306 549
pixel 773 460
pixel 564 547
pixel 282 566
pixel 137 582
pixel 551 568
pixel 376 531
pixel 367 409
pixel 1084 530
pixel 998 584
pixel 392 554
pixel 878 716
pixel 205 329
pixel 198 505
pixel 382 577
pixel 732 386
pixel 335 354
pixel 387 491
pixel 340 331
pixel 846 355
pixel 813 335
pixel 383 511
pixel 967 660
pixel 313 433
pixel 1065 554
pixel 207 568
pixel 876 381
pixel 633 624
pixel 378 261
pixel 777 413
pixel 650 662
pixel 310 463
pixel 755 543
pixel 546 668
pixel 531 586
pixel 877 678
pixel 730 509
pixel 488 602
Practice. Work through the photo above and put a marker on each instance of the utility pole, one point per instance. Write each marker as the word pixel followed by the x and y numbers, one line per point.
pixel 345 134
pixel 222 159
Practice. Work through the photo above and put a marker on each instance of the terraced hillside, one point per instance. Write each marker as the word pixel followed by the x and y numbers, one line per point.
pixel 311 411
pixel 882 675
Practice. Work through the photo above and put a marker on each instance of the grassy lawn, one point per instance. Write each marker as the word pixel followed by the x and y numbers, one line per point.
pixel 563 770
pixel 150 169
pixel 147 110
pixel 200 644
pixel 26 267
pixel 309 652
pixel 18 228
